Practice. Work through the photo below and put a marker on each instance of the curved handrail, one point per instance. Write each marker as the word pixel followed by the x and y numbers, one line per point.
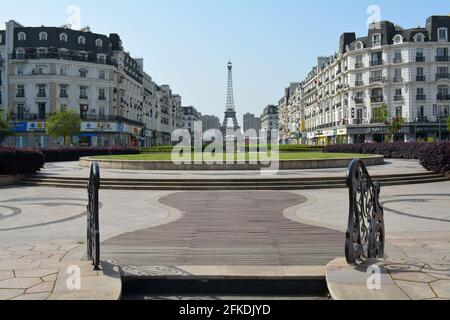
pixel 365 236
pixel 93 222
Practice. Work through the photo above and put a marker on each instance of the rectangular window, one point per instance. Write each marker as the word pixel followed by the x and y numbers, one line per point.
pixel 41 111
pixel 101 94
pixel 420 91
pixel 19 70
pixel 20 91
pixel 442 34
pixel 83 72
pixel 376 39
pixel 420 71
pixel 442 52
pixel 398 112
pixel 42 92
pixel 63 71
pixel 83 93
pixel 102 74
pixel 63 92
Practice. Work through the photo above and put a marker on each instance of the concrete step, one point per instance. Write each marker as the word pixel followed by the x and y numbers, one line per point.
pixel 237 186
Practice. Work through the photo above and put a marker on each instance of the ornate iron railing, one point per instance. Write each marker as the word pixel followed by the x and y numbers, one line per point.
pixel 93 223
pixel 365 236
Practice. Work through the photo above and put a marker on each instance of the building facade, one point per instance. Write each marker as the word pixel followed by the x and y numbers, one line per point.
pixel 251 122
pixel 210 122
pixel 190 117
pixel 392 73
pixel 45 70
pixel 290 115
pixel 269 120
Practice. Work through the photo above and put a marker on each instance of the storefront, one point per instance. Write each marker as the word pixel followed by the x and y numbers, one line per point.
pixel 93 134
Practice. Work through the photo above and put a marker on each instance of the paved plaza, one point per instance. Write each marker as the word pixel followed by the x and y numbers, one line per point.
pixel 42 232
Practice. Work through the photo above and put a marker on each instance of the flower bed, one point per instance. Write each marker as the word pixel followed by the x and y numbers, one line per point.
pixel 20 161
pixel 75 153
pixel 433 156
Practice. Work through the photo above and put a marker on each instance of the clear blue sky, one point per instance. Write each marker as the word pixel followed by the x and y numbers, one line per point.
pixel 187 43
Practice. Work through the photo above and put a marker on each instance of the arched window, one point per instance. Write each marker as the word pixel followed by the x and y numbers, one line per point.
pixel 63 37
pixel 43 36
pixel 22 36
pixel 81 40
pixel 20 53
pixel 398 39
pixel 99 43
pixel 419 37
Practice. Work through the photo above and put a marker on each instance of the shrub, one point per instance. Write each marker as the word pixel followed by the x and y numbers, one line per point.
pixel 433 156
pixel 75 153
pixel 20 161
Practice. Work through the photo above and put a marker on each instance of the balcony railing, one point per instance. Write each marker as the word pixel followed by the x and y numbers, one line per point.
pixel 376 79
pixel 398 60
pixel 20 95
pixel 398 98
pixel 421 97
pixel 421 120
pixel 440 76
pixel 398 79
pixel 85 117
pixel 359 65
pixel 69 55
pixel 42 95
pixel 102 98
pixel 359 100
pixel 84 97
pixel 376 99
pixel 442 58
pixel 359 83
pixel 64 95
pixel 420 59
pixel 29 116
pixel 443 97
pixel 376 63
pixel 421 78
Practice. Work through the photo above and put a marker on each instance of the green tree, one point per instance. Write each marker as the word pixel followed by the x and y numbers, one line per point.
pixel 448 123
pixel 395 126
pixel 64 124
pixel 5 129
pixel 381 114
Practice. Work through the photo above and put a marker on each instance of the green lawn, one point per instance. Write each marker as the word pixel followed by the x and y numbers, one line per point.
pixel 283 156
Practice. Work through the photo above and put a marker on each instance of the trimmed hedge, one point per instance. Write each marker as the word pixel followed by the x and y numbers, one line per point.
pixel 75 153
pixel 433 156
pixel 20 161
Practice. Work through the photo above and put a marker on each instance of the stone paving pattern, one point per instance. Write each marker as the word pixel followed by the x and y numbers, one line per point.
pixel 39 226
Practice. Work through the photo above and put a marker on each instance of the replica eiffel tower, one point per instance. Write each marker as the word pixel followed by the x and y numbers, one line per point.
pixel 230 123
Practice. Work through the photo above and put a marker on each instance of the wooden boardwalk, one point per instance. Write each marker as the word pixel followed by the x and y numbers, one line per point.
pixel 228 229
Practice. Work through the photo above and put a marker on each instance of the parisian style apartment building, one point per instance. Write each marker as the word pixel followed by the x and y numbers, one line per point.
pixel 48 69
pixel 354 95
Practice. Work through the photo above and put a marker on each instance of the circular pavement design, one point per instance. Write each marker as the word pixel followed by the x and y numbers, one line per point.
pixel 228 229
pixel 8 211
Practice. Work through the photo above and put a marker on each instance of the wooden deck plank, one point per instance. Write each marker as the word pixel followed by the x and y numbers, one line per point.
pixel 228 228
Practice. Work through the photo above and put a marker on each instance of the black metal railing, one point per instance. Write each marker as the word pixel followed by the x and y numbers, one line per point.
pixel 93 221
pixel 365 236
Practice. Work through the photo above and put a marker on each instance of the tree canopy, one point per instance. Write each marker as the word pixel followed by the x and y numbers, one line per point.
pixel 64 124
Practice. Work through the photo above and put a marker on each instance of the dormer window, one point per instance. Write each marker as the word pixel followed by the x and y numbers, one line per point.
pixel 442 34
pixel 376 39
pixel 43 36
pixel 98 43
pixel 63 37
pixel 22 36
pixel 81 40
pixel 398 39
pixel 359 45
pixel 20 53
pixel 419 37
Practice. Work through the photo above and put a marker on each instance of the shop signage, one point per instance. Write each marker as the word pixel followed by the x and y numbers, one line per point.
pixel 36 126
pixel 99 127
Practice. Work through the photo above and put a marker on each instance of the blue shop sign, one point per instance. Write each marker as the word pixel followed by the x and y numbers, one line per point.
pixel 20 127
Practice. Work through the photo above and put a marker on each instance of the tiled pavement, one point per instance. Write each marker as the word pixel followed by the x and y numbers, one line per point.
pixel 41 272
